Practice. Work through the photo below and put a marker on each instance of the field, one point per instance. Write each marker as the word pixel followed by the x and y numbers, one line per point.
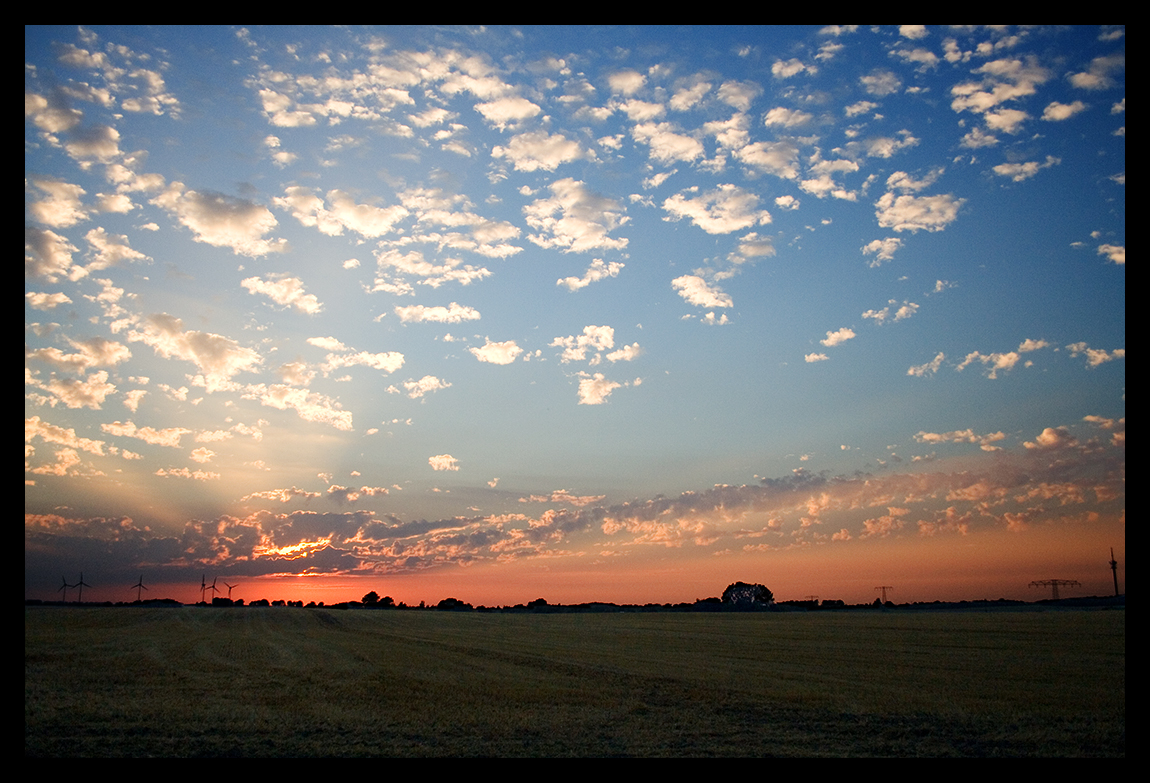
pixel 302 682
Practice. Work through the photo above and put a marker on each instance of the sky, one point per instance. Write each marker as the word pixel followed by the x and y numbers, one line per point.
pixel 615 314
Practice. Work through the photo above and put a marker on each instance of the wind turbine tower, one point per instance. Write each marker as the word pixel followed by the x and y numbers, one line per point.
pixel 64 588
pixel 81 584
pixel 1114 570
pixel 138 586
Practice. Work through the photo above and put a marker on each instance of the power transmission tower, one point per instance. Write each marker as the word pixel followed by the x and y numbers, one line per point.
pixel 1054 584
pixel 884 588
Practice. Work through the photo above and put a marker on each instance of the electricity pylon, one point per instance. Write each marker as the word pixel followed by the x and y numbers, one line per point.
pixel 1054 584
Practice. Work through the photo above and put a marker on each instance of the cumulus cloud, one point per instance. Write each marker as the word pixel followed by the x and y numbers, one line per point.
pixel 1056 112
pixel 1116 253
pixel 985 442
pixel 1095 356
pixel 698 292
pixel 169 437
pixel 880 82
pixel 930 368
pixel 810 358
pixel 425 385
pixel 626 82
pixel 452 314
pixel 595 389
pixel 284 291
pixel 575 219
pixel 1023 171
pixel 838 337
pixel 723 210
pixel 881 249
pixel 339 213
pixel 666 143
pixel 497 353
pixel 893 311
pixel 539 150
pixel 40 301
pixel 783 117
pixel 218 358
pixel 594 338
pixel 1099 76
pixel 785 69
pixel 47 255
pixel 913 213
pixel 443 462
pixel 596 272
pixel 507 111
pixel 61 207
pixel 222 221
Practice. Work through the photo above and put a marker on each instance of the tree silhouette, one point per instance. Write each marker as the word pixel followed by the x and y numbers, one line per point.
pixel 371 599
pixel 743 594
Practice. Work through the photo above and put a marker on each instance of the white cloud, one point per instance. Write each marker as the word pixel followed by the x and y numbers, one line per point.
pixel 62 207
pixel 723 210
pixel 595 389
pixel 1022 171
pixel 217 357
pixel 452 314
pixel 1098 75
pixel 575 219
pixel 1116 253
pixel 626 82
pixel 815 357
pixel 539 150
pixel 47 255
pixel 881 249
pixel 785 69
pixel 425 385
pixel 507 111
pixel 838 337
pixel 1056 111
pixel 1095 356
pixel 46 301
pixel 787 118
pixel 893 311
pixel 912 213
pixel 497 353
pixel 596 272
pixel 666 143
pixel 696 291
pixel 443 462
pixel 739 94
pixel 222 221
pixel 930 368
pixel 594 338
pixel 880 82
pixel 285 291
pixel 364 219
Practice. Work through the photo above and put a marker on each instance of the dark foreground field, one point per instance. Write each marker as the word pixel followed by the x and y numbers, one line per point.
pixel 302 682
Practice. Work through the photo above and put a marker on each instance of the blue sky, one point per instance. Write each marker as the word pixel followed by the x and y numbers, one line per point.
pixel 549 310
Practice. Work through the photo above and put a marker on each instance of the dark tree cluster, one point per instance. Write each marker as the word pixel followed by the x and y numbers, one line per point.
pixel 748 595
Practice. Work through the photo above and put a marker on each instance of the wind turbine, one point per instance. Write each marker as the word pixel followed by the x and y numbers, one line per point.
pixel 138 586
pixel 213 587
pixel 203 587
pixel 64 587
pixel 81 584
pixel 230 588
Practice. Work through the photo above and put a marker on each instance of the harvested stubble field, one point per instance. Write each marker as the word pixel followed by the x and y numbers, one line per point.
pixel 315 682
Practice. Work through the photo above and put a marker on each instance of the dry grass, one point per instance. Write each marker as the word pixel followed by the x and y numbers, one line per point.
pixel 294 682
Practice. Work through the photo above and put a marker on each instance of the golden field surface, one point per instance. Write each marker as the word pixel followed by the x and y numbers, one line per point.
pixel 281 681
